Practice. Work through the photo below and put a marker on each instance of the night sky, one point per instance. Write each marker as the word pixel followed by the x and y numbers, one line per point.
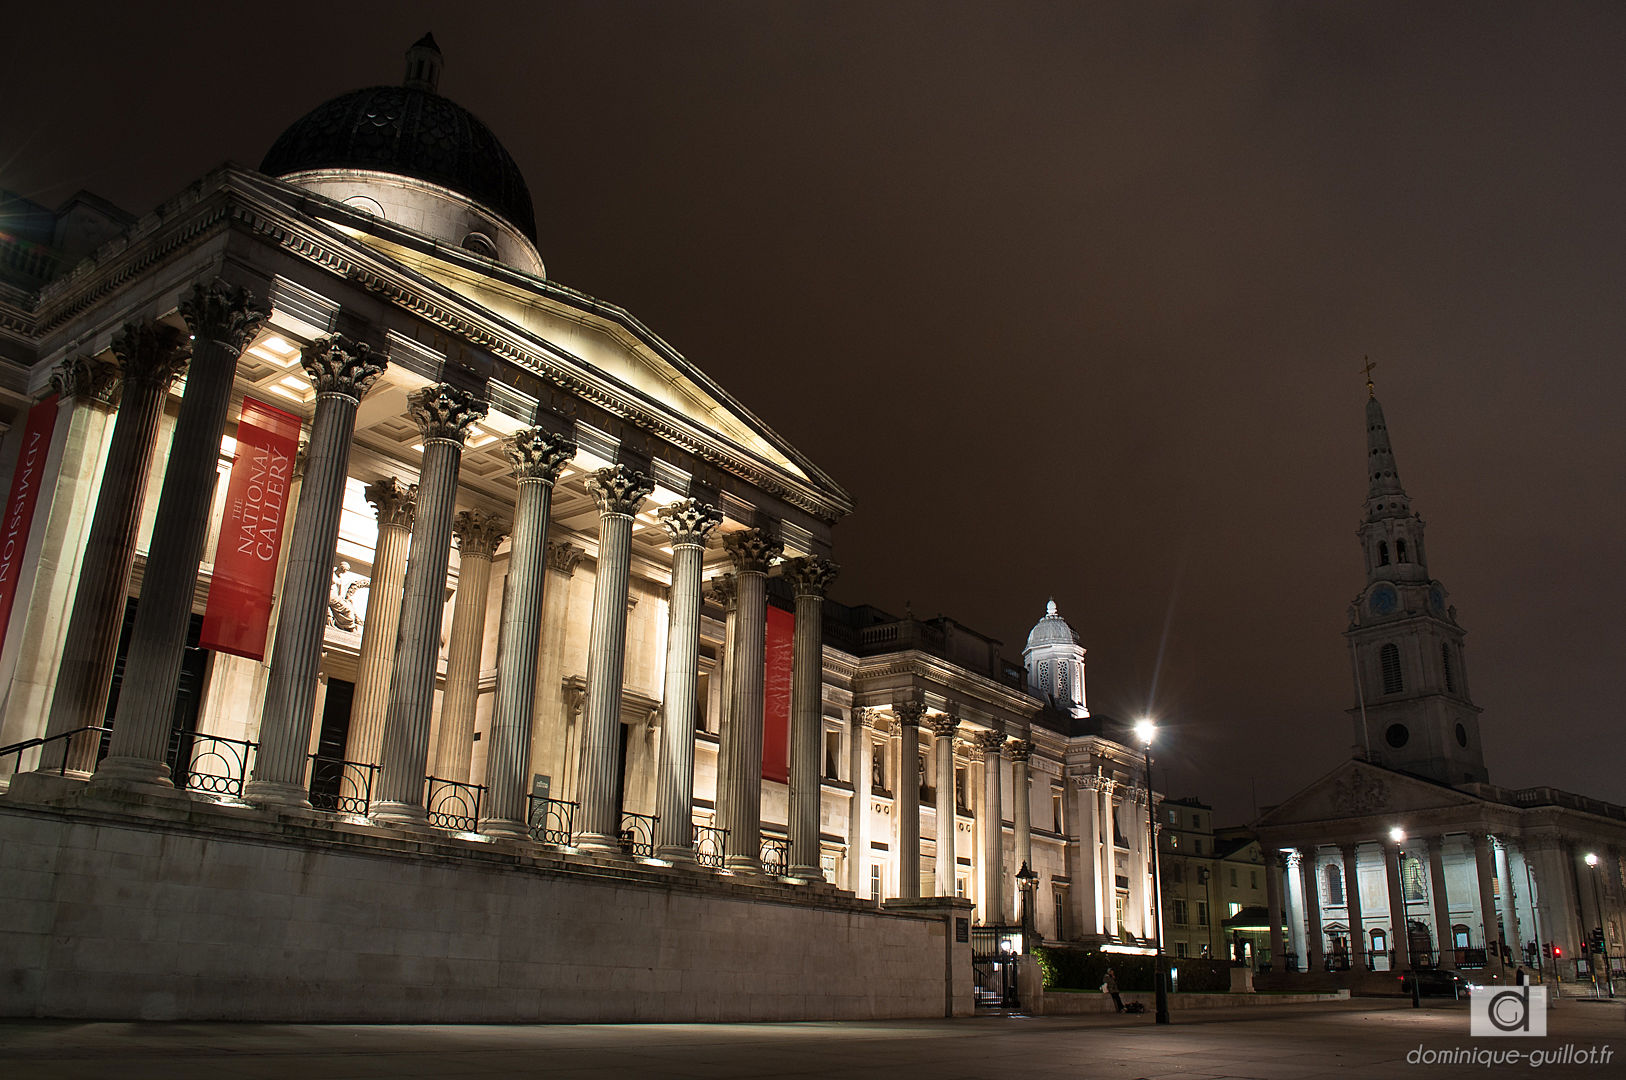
pixel 1072 298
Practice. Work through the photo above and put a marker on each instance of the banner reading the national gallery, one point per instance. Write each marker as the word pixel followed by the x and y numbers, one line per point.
pixel 25 493
pixel 239 609
pixel 776 695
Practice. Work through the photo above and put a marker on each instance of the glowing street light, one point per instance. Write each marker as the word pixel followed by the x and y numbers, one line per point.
pixel 1145 730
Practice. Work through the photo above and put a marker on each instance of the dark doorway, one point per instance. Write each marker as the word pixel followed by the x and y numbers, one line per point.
pixel 621 773
pixel 327 772
pixel 188 693
pixel 1420 943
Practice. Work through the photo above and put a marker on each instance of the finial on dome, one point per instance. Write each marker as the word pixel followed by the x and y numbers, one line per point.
pixel 1371 391
pixel 423 62
pixel 1050 606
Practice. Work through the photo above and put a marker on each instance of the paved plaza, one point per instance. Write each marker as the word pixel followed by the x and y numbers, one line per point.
pixel 1360 1039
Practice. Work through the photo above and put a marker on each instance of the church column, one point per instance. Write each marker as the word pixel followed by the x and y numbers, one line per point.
pixel 907 803
pixel 1508 896
pixel 688 523
pixel 725 595
pixel 1293 907
pixel 1273 906
pixel 1109 861
pixel 555 733
pixel 1352 897
pixel 538 456
pixel 1310 889
pixel 1022 802
pixel 396 505
pixel 443 414
pixel 478 536
pixel 752 550
pixel 993 828
pixel 223 321
pixel 1483 867
pixel 1443 944
pixel 810 577
pixel 151 355
pixel 619 491
pixel 863 766
pixel 1399 943
pixel 943 727
pixel 342 371
pixel 1085 835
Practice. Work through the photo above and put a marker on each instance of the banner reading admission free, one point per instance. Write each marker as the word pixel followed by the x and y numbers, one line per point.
pixel 239 610
pixel 776 695
pixel 25 493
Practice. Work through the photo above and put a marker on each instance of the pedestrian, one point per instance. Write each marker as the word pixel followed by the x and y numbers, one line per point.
pixel 1110 986
pixel 1521 977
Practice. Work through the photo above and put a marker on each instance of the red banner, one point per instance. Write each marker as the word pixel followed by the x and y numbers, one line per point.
pixel 25 493
pixel 776 696
pixel 239 610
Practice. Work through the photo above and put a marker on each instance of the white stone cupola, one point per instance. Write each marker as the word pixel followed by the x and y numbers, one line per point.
pixel 1055 663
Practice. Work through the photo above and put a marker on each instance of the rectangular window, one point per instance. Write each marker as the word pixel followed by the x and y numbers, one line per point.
pixel 832 755
pixel 830 865
pixel 1233 908
pixel 701 700
pixel 1061 908
pixel 1233 877
pixel 1179 948
pixel 1202 913
pixel 1180 913
pixel 959 887
pixel 877 767
pixel 1174 817
pixel 1055 812
pixel 1120 904
pixel 1177 871
pixel 962 800
pixel 874 881
pixel 1253 879
pixel 1199 843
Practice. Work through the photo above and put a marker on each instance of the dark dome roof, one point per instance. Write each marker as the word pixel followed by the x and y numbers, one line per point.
pixel 407 131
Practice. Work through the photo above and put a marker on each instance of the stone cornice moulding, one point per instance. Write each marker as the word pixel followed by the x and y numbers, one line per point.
pixel 985 695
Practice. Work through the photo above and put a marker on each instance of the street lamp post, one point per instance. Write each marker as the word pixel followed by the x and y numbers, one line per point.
pixel 1601 953
pixel 1398 835
pixel 1145 730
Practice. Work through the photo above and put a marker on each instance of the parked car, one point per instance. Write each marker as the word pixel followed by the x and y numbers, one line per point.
pixel 1435 982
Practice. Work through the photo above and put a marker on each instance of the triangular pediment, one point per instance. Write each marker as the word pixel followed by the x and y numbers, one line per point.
pixel 1358 789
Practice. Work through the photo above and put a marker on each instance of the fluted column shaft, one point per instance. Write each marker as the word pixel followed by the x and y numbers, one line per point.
pixel 943 728
pixel 993 840
pixel 810 578
pixel 688 523
pixel 1483 866
pixel 1273 908
pixel 478 535
pixel 1086 886
pixel 152 356
pixel 907 803
pixel 223 322
pixel 443 414
pixel 1022 802
pixel 1508 897
pixel 342 371
pixel 396 505
pixel 1109 863
pixel 752 550
pixel 1310 891
pixel 538 456
pixel 1293 908
pixel 1352 898
pixel 619 491
pixel 1398 943
pixel 724 592
pixel 863 765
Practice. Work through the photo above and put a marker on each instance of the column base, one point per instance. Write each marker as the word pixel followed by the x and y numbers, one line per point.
pixel 45 787
pixel 506 829
pixel 807 875
pixel 744 865
pixel 600 844
pixel 274 793
pixel 132 770
pixel 399 813
pixel 678 856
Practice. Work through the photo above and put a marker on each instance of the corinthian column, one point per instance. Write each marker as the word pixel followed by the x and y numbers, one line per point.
pixel 1108 851
pixel 724 594
pixel 397 506
pixel 152 355
pixel 993 828
pixel 538 457
pixel 619 492
pixel 741 805
pixel 223 321
pixel 478 535
pixel 862 758
pixel 943 727
pixel 907 803
pixel 810 578
pixel 342 371
pixel 688 523
pixel 1352 900
pixel 1022 801
pixel 443 414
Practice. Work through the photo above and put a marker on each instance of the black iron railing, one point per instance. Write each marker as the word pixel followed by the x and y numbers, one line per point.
pixel 211 764
pixel 452 804
pixel 775 855
pixel 552 821
pixel 342 787
pixel 638 834
pixel 60 765
pixel 710 844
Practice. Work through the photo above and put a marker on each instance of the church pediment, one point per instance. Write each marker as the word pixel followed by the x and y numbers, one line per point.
pixel 1356 789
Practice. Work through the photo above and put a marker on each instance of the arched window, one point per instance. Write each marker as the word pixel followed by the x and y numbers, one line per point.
pixel 1383 553
pixel 1411 880
pixel 1400 551
pixel 1335 884
pixel 480 244
pixel 1389 661
pixel 1445 661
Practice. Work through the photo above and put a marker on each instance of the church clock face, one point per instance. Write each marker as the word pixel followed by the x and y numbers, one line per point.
pixel 1383 600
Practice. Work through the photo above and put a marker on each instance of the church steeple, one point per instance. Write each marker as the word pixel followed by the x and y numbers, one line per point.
pixel 1413 711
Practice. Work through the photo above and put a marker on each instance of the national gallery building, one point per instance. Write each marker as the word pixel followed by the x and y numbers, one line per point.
pixel 392 632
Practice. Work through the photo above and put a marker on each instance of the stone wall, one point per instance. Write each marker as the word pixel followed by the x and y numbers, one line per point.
pixel 169 909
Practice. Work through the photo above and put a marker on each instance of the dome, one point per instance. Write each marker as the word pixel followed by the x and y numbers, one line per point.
pixel 410 131
pixel 1051 630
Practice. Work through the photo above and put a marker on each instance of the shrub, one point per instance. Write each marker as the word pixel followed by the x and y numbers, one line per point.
pixel 1078 968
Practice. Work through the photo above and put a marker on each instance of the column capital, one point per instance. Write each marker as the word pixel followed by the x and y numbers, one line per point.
pixel 87 379
pixel 811 575
pixel 1348 851
pixel 753 550
pixel 1019 750
pixel 619 490
pixel 689 521
pixel 342 366
pixel 539 454
pixel 228 315
pixel 395 502
pixel 443 413
pixel 152 354
pixel 908 712
pixel 990 742
pixel 563 557
pixel 478 534
pixel 943 725
pixel 1295 856
pixel 725 591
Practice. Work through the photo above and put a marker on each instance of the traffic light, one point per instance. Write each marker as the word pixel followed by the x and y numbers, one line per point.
pixel 1596 939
